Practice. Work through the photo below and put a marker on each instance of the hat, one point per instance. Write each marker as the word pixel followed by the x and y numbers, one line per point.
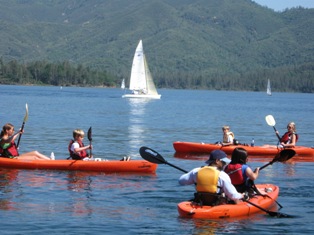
pixel 218 155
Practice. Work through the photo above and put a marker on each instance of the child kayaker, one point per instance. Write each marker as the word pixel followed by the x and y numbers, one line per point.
pixel 77 148
pixel 238 170
pixel 9 149
pixel 227 138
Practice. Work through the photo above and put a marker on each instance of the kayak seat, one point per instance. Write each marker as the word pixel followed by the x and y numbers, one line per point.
pixel 208 199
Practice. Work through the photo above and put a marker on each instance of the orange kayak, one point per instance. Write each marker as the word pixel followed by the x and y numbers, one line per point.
pixel 189 209
pixel 136 166
pixel 195 147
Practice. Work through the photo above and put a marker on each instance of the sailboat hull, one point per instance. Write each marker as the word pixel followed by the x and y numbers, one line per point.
pixel 141 96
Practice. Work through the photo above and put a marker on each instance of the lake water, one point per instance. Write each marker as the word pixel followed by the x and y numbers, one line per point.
pixel 56 202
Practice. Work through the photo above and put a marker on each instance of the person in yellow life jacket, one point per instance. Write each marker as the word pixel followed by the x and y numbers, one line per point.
pixel 212 183
pixel 8 148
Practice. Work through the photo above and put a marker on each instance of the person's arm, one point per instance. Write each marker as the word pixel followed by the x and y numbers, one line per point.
pixel 252 175
pixel 188 178
pixel 228 188
pixel 11 138
pixel 79 149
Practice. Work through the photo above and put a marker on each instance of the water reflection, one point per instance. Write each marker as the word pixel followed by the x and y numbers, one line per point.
pixel 136 125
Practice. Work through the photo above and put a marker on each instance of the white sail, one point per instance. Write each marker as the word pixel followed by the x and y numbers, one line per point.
pixel 123 84
pixel 268 88
pixel 141 80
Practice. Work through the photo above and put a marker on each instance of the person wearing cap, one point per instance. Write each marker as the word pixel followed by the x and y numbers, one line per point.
pixel 238 170
pixel 212 183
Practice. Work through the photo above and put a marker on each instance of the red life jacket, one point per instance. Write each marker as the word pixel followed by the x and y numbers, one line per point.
pixel 235 173
pixel 286 138
pixel 77 156
pixel 10 151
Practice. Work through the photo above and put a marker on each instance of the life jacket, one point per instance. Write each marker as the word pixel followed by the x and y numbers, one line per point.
pixel 207 179
pixel 77 156
pixel 226 137
pixel 9 152
pixel 206 186
pixel 237 175
pixel 286 138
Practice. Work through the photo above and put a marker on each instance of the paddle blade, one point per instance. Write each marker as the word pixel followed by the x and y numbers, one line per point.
pixel 89 134
pixel 151 155
pixel 270 120
pixel 26 114
pixel 284 155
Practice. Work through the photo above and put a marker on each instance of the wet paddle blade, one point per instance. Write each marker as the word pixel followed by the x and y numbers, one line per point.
pixel 151 155
pixel 284 155
pixel 89 134
pixel 270 120
pixel 26 114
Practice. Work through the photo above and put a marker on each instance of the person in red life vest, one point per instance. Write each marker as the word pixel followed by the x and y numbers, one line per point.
pixel 290 138
pixel 212 183
pixel 8 147
pixel 238 170
pixel 77 148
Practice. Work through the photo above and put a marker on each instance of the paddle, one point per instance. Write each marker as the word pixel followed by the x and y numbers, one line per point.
pixel 282 156
pixel 22 128
pixel 271 213
pixel 152 156
pixel 271 122
pixel 89 136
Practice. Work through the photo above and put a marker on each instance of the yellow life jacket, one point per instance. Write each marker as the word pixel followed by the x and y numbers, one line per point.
pixel 226 137
pixel 207 179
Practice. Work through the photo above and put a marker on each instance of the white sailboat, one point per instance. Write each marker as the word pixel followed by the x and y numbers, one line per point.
pixel 141 80
pixel 123 84
pixel 268 91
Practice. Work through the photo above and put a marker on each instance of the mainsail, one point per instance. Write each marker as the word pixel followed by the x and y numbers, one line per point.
pixel 141 80
pixel 268 88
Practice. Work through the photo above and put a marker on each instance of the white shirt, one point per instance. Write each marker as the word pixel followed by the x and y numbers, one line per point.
pixel 74 146
pixel 224 182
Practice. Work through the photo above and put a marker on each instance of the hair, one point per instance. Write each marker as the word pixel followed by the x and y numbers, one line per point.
pixel 5 128
pixel 78 132
pixel 225 128
pixel 293 126
pixel 239 155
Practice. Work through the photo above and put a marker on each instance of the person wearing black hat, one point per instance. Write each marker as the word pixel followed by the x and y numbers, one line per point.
pixel 212 183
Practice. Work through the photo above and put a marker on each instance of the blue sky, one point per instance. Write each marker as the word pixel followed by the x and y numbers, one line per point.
pixel 279 5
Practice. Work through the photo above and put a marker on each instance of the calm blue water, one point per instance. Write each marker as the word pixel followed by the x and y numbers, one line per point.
pixel 55 202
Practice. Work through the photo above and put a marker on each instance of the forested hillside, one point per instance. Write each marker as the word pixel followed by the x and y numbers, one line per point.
pixel 200 44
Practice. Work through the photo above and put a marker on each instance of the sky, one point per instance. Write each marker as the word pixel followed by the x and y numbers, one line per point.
pixel 280 5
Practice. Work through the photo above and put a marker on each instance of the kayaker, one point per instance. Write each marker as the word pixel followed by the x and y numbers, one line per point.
pixel 290 138
pixel 8 148
pixel 76 147
pixel 238 170
pixel 227 138
pixel 212 183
